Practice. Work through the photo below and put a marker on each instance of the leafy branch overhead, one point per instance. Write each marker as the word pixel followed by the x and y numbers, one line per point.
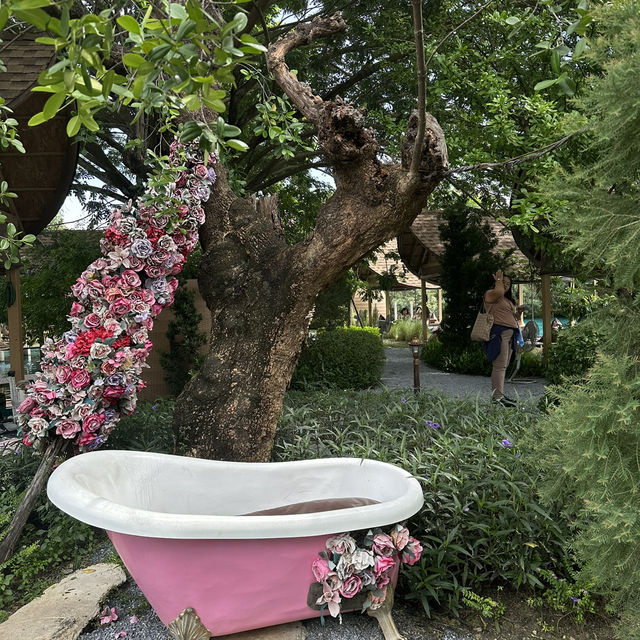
pixel 168 60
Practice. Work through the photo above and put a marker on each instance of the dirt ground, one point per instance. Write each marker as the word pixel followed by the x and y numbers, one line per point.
pixel 519 622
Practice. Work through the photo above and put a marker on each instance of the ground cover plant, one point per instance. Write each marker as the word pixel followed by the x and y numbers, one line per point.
pixel 50 541
pixel 481 523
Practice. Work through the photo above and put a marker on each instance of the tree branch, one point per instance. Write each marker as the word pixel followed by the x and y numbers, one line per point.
pixel 418 32
pixel 462 24
pixel 300 93
pixel 512 162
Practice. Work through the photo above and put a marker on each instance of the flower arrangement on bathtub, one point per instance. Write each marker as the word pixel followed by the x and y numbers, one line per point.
pixel 92 375
pixel 345 569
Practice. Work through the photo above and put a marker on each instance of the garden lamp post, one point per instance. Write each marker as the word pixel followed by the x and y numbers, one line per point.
pixel 415 345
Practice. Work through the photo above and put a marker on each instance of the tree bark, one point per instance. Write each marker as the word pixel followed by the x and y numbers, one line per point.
pixel 260 292
pixel 30 499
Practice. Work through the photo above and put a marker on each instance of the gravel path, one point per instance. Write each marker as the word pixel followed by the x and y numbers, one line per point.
pixel 398 374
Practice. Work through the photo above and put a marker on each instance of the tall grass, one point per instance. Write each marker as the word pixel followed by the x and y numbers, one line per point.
pixel 405 330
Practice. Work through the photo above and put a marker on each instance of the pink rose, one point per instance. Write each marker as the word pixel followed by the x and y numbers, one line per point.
pixel 93 422
pixel 130 278
pixel 120 306
pixel 76 309
pixel 112 294
pixel 67 428
pixel 382 580
pixel 201 171
pixel 109 367
pixel 86 438
pixel 331 595
pixel 383 563
pixel 112 394
pixel 27 404
pixel 412 551
pixel 79 288
pixel 383 544
pixel 350 586
pixel 80 378
pixel 400 536
pixel 63 374
pixel 92 321
pixel 320 568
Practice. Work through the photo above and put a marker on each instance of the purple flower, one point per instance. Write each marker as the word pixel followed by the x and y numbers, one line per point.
pixel 70 336
pixel 506 443
pixel 154 407
pixel 141 248
pixel 575 600
pixel 157 285
pixel 403 400
pixel 466 509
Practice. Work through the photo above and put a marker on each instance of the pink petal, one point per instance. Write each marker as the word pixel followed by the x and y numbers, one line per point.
pixel 334 609
pixel 122 634
pixel 133 619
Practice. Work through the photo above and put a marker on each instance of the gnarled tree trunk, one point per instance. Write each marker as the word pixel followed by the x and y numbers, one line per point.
pixel 260 291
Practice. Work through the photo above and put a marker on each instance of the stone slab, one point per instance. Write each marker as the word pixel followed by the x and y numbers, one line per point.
pixel 65 608
pixel 289 631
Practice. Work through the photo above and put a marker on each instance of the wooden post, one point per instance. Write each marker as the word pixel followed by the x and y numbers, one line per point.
pixel 14 317
pixel 521 303
pixel 423 288
pixel 440 304
pixel 546 316
pixel 370 312
pixel 387 305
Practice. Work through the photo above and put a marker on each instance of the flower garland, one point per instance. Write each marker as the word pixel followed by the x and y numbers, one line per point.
pixel 344 569
pixel 92 375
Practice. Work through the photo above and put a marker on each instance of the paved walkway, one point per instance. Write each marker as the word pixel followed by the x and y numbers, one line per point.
pixel 398 374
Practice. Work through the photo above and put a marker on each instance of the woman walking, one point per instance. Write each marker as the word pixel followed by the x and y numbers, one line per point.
pixel 504 333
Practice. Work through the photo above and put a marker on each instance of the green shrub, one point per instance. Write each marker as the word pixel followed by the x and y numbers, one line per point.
pixel 481 522
pixel 573 354
pixel 405 330
pixel 148 428
pixel 344 358
pixel 471 361
pixel 531 365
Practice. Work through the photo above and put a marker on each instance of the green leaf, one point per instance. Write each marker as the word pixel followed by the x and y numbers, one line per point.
pixel 185 29
pixel 53 104
pixel 129 23
pixel 512 20
pixel 4 16
pixel 37 119
pixel 177 11
pixel 29 238
pixel 22 5
pixel 216 105
pixel 231 130
pixel 580 47
pixel 133 60
pixel 545 84
pixel 73 126
pixel 237 144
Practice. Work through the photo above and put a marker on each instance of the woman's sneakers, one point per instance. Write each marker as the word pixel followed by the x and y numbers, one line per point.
pixel 503 401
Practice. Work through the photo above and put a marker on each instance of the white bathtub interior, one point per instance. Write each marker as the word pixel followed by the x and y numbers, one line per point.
pixel 161 495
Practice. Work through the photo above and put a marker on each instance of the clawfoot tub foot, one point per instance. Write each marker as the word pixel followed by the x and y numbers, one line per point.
pixel 187 626
pixel 383 615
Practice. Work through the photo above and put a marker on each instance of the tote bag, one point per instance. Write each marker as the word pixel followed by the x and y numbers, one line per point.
pixel 482 326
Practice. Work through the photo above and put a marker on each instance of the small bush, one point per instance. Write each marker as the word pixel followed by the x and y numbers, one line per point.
pixel 148 428
pixel 531 365
pixel 344 358
pixel 471 361
pixel 573 354
pixel 405 330
pixel 481 522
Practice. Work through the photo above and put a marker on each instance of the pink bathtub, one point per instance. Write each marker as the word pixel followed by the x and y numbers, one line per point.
pixel 179 527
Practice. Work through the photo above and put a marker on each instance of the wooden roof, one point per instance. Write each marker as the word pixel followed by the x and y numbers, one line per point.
pixel 42 176
pixel 421 248
pixel 387 260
